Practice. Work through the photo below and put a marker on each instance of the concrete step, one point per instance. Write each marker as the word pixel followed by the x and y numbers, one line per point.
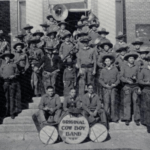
pixel 28 112
pixel 6 128
pixel 18 120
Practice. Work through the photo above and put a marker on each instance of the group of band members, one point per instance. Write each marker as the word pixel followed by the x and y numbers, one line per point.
pixel 108 82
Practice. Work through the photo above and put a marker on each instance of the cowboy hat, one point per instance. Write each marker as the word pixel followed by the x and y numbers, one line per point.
pixel 84 18
pixel 44 25
pixel 103 31
pixel 7 54
pixel 143 49
pixel 67 33
pixel 79 24
pixel 79 34
pixel 28 27
pixel 132 54
pixel 18 44
pixel 49 48
pixel 38 32
pixel 92 25
pixel 110 56
pixel 120 35
pixel 106 42
pixel 123 47
pixel 51 32
pixel 137 42
pixel 20 35
pixel 62 22
pixel 85 39
pixel 49 16
pixel 34 40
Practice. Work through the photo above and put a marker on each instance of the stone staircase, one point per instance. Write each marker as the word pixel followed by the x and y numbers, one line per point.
pixel 23 128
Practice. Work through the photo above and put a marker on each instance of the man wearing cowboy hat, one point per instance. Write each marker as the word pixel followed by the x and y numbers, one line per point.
pixel 33 51
pixel 20 36
pixel 109 79
pixel 144 81
pixel 52 23
pixel 92 107
pixel 62 29
pixel 66 46
pixel 84 20
pixel 51 40
pixel 28 35
pixel 51 67
pixel 120 41
pixel 9 73
pixel 4 45
pixel 86 60
pixel 122 51
pixel 131 90
pixel 44 27
pixel 136 45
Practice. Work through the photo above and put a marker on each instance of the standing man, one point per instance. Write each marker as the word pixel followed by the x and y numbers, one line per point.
pixel 9 73
pixel 109 79
pixel 131 90
pixel 4 46
pixel 136 45
pixel 92 109
pixel 51 67
pixel 49 108
pixel 28 35
pixel 86 60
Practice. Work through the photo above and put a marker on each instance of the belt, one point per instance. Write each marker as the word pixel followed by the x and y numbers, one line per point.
pixel 87 66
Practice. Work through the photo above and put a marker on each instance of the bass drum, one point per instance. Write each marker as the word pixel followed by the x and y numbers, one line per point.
pixel 98 133
pixel 48 135
pixel 73 129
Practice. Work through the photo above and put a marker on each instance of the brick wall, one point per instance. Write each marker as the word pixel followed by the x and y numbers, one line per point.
pixel 137 12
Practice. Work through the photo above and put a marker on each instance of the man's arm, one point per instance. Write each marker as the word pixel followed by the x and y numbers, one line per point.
pixel 41 105
pixel 58 103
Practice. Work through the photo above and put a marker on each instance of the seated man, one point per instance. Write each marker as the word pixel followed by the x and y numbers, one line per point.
pixel 49 108
pixel 72 103
pixel 92 109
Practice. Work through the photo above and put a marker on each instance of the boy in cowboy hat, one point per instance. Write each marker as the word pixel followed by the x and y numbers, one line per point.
pixel 51 67
pixel 120 41
pixel 144 81
pixel 33 51
pixel 62 29
pixel 92 108
pixel 109 79
pixel 9 73
pixel 4 45
pixel 86 60
pixel 137 45
pixel 69 78
pixel 131 90
pixel 28 35
pixel 122 51
pixel 66 47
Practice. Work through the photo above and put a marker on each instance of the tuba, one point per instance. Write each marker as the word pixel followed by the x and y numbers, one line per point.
pixel 59 12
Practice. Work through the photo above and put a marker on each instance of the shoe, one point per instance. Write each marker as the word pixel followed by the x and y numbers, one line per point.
pixel 137 123
pixel 127 123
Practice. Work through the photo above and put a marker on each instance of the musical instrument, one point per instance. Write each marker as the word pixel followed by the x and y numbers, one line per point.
pixel 98 133
pixel 73 129
pixel 48 135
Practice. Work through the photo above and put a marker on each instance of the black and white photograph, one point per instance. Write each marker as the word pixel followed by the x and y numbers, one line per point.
pixel 74 74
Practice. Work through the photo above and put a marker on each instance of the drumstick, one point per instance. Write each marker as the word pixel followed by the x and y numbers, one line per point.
pixel 50 137
pixel 94 134
pixel 100 135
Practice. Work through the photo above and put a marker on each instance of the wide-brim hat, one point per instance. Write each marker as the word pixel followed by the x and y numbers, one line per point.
pixel 84 18
pixel 7 54
pixel 28 27
pixel 49 16
pixel 103 31
pixel 62 22
pixel 44 25
pixel 50 48
pixel 38 32
pixel 19 36
pixel 122 48
pixel 66 34
pixel 106 42
pixel 120 35
pixel 110 56
pixel 51 32
pixel 18 44
pixel 85 40
pixel 137 42
pixel 132 54
pixel 80 25
pixel 143 50
pixel 33 41
pixel 92 25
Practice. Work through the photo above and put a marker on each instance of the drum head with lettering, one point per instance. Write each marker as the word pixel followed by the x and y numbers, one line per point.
pixel 48 135
pixel 98 133
pixel 73 130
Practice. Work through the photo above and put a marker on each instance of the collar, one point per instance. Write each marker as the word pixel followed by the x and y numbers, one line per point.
pixel 86 48
pixel 49 96
pixel 68 43
pixel 129 65
pixel 109 68
pixel 93 95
